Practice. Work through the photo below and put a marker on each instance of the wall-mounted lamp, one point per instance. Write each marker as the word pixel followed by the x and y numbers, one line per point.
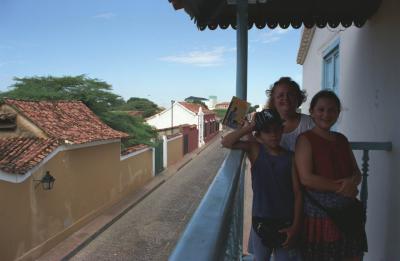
pixel 47 181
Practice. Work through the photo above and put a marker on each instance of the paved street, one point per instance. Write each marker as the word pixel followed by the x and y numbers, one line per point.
pixel 151 229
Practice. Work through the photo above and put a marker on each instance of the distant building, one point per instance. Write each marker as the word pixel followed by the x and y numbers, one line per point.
pixel 185 113
pixel 222 105
pixel 211 102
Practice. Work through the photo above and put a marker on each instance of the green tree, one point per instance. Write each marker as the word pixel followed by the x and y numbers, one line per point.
pixel 144 105
pixel 139 131
pixel 197 100
pixel 94 93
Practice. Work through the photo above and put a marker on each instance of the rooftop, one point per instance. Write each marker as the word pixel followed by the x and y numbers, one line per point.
pixel 70 121
pixel 194 107
pixel 18 155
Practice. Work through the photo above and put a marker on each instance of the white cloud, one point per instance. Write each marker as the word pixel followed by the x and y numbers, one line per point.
pixel 105 16
pixel 214 57
pixel 272 35
pixel 12 62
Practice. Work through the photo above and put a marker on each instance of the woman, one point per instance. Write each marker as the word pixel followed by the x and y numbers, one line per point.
pixel 328 170
pixel 286 97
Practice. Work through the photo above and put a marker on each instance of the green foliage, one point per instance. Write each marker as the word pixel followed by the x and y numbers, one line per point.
pixel 220 113
pixel 197 100
pixel 138 130
pixel 94 93
pixel 148 107
pixel 253 108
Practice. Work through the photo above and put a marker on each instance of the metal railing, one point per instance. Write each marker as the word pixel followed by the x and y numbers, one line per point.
pixel 366 147
pixel 215 231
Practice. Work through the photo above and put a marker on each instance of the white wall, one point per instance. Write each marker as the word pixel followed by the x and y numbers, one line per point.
pixel 369 88
pixel 180 116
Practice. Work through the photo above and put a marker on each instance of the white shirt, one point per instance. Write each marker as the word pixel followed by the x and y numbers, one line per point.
pixel 288 140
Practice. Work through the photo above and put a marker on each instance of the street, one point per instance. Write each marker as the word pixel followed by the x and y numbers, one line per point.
pixel 150 230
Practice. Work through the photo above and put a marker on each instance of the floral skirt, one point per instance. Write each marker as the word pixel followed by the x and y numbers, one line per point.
pixel 322 240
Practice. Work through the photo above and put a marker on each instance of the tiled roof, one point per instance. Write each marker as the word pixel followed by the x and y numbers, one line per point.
pixel 66 120
pixel 18 155
pixel 134 149
pixel 194 107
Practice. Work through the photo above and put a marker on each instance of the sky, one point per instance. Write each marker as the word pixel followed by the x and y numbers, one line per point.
pixel 142 48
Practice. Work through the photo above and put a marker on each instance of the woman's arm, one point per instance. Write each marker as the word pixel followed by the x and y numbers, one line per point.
pixel 304 165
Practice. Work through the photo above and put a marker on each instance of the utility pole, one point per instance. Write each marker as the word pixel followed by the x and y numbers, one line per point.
pixel 172 116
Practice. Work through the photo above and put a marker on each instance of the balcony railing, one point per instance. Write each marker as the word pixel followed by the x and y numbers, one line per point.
pixel 215 231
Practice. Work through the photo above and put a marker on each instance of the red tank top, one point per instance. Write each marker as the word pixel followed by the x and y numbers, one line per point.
pixel 331 159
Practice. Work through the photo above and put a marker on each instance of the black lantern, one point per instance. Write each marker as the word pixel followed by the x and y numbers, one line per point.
pixel 47 181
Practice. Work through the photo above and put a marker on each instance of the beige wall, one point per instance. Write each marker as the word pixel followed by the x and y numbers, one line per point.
pixel 87 181
pixel 175 150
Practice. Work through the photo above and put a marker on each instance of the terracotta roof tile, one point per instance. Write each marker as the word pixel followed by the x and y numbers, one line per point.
pixel 18 155
pixel 66 120
pixel 134 148
pixel 194 107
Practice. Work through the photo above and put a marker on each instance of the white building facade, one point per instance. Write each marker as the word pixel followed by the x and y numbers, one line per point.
pixel 362 65
pixel 176 115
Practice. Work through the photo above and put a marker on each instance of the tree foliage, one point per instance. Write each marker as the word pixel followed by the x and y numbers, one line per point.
pixel 96 94
pixel 144 105
pixel 197 100
pixel 140 132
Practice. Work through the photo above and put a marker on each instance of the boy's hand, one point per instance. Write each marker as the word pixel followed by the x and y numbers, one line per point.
pixel 249 125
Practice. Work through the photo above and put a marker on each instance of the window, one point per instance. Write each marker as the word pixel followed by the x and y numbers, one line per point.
pixel 330 79
pixel 7 122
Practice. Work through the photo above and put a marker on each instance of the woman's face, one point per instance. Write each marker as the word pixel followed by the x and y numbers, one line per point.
pixel 284 99
pixel 325 113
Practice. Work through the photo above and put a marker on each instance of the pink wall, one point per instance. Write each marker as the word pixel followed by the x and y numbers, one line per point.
pixel 193 135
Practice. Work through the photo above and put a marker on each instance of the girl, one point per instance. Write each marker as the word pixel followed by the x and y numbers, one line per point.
pixel 276 189
pixel 328 170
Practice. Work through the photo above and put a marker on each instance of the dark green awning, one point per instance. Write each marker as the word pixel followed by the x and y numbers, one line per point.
pixel 214 13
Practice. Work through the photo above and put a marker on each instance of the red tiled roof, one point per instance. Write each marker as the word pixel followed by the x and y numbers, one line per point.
pixel 194 107
pixel 134 148
pixel 18 155
pixel 66 120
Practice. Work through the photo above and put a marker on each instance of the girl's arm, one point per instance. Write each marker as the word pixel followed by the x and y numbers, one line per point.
pixel 348 186
pixel 303 159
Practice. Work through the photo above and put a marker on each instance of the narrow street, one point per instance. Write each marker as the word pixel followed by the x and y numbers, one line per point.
pixel 151 229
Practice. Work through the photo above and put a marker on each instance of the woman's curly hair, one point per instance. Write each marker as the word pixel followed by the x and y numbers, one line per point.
pixel 300 94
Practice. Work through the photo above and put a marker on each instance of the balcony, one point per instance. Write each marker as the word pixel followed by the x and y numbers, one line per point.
pixel 215 231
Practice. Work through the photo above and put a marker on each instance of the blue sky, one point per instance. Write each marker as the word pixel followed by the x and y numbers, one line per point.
pixel 142 48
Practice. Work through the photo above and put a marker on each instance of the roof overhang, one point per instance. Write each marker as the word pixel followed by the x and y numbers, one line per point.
pixel 305 42
pixel 222 13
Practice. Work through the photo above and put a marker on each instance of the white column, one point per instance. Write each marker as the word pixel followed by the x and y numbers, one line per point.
pixel 153 152
pixel 200 126
pixel 165 151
